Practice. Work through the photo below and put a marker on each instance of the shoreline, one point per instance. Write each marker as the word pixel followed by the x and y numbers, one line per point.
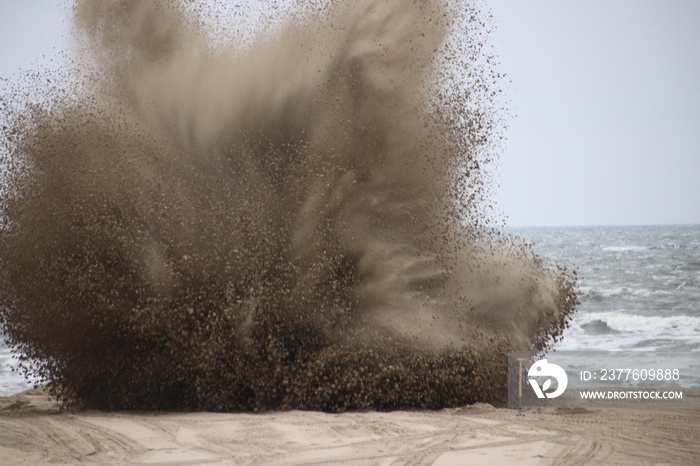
pixel 36 431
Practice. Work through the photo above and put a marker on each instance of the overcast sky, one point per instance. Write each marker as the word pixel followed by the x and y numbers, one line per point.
pixel 605 97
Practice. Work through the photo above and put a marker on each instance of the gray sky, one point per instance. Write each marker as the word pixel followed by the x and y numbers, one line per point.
pixel 605 96
pixel 31 33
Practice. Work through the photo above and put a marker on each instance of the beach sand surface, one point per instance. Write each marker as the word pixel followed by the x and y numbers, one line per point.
pixel 34 430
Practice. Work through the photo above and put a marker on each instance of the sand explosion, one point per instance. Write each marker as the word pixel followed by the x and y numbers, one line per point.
pixel 294 220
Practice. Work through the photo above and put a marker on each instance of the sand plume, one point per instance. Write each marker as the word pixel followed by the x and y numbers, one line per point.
pixel 296 220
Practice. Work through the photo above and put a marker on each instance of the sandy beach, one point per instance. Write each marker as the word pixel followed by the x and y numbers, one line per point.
pixel 33 430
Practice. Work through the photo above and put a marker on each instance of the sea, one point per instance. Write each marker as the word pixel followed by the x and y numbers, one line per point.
pixel 639 286
pixel 639 289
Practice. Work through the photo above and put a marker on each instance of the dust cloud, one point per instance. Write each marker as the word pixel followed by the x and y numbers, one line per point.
pixel 295 217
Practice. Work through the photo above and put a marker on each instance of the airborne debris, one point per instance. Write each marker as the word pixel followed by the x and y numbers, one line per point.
pixel 296 221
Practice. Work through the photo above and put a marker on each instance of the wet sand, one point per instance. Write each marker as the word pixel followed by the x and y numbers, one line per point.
pixel 33 430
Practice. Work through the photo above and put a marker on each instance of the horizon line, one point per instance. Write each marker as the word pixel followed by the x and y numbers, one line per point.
pixel 602 225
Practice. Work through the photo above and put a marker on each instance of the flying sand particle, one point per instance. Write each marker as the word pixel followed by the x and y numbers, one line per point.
pixel 297 218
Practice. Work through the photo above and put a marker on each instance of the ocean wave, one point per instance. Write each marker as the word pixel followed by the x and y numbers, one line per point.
pixel 624 248
pixel 623 322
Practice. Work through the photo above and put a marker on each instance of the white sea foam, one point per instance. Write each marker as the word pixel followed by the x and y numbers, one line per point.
pixel 10 380
pixel 624 248
pixel 618 330
pixel 624 322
